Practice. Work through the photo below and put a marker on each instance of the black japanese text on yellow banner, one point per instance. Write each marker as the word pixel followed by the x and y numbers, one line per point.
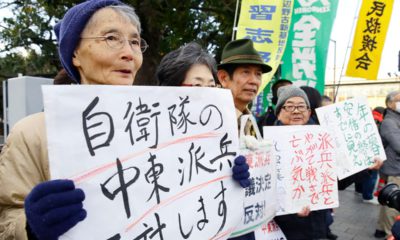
pixel 267 24
pixel 369 39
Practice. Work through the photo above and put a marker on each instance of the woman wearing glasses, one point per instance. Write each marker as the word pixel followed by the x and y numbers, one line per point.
pixel 293 108
pixel 191 66
pixel 99 43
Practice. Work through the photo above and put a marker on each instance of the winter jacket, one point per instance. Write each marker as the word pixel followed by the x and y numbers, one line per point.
pixel 23 164
pixel 314 226
pixel 390 134
pixel 248 130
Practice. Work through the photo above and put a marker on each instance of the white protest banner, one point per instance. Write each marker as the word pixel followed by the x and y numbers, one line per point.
pixel 260 196
pixel 306 162
pixel 355 132
pixel 154 162
pixel 269 231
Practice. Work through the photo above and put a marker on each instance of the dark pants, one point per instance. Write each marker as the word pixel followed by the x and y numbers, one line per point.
pixel 366 187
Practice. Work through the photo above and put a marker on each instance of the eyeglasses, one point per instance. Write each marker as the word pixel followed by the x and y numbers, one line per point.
pixel 117 41
pixel 291 108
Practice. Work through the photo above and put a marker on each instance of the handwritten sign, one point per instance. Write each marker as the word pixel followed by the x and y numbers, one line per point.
pixel 306 162
pixel 269 231
pixel 260 197
pixel 356 134
pixel 154 162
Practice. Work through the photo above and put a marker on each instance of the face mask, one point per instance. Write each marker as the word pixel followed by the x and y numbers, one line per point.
pixel 398 107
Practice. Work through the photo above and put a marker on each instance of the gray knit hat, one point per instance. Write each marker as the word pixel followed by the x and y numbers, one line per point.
pixel 286 92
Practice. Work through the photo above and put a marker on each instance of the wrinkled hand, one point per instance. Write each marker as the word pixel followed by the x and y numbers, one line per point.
pixel 377 164
pixel 304 212
pixel 53 207
pixel 241 171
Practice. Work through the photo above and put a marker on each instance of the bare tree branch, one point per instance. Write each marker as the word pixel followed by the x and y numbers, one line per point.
pixel 6 5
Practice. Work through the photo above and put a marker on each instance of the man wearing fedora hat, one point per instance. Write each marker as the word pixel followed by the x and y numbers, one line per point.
pixel 240 70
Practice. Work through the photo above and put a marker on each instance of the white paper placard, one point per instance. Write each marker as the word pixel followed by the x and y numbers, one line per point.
pixel 306 165
pixel 356 134
pixel 269 231
pixel 152 161
pixel 260 197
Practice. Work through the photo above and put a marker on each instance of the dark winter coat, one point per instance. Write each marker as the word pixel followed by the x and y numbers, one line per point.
pixel 314 226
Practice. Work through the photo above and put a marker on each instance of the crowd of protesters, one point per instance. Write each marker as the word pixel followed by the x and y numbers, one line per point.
pixel 99 43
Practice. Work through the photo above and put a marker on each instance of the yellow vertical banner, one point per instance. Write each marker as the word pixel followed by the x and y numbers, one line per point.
pixel 267 24
pixel 369 38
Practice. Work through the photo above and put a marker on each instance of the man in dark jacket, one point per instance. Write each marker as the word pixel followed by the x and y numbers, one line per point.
pixel 390 134
pixel 241 70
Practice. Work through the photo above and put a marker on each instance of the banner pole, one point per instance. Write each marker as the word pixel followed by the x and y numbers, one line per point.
pixel 347 49
pixel 235 20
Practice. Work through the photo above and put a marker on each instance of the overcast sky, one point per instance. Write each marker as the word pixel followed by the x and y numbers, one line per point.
pixel 342 32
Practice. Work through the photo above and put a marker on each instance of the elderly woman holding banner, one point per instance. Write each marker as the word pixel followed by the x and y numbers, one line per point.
pixel 293 108
pixel 99 43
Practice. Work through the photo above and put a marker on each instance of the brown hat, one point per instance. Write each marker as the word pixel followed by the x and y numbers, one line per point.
pixel 242 51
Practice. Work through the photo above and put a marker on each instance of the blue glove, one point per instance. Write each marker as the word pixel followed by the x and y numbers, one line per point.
pixel 241 171
pixel 53 207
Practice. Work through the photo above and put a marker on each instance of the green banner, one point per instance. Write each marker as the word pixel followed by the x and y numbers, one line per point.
pixel 263 100
pixel 304 60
